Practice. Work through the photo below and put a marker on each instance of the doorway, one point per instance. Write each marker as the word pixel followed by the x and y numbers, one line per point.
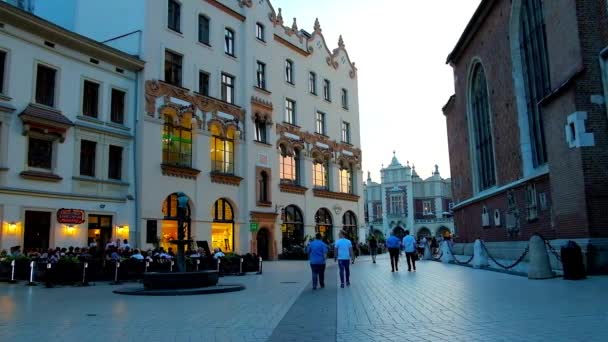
pixel 37 230
pixel 100 231
pixel 263 239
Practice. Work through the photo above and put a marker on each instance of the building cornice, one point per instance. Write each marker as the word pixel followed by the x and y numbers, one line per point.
pixel 228 10
pixel 31 23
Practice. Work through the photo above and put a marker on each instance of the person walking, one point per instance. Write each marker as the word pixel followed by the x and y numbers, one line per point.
pixel 344 255
pixel 373 247
pixel 409 247
pixel 317 252
pixel 393 244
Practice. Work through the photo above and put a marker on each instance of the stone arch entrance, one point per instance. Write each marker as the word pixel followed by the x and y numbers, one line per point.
pixel 263 242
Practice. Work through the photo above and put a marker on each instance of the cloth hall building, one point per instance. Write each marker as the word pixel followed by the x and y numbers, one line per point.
pixel 254 119
pixel 404 201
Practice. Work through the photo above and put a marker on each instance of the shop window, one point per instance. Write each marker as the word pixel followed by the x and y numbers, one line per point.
pixel 324 225
pixel 222 228
pixel 349 226
pixel 292 228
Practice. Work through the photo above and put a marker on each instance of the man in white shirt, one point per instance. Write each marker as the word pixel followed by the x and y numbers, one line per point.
pixel 409 247
pixel 344 255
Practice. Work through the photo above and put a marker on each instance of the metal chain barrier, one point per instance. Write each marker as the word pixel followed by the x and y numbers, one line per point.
pixel 506 267
pixel 551 248
pixel 462 262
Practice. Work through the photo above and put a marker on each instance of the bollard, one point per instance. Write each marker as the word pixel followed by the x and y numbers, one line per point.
pixel 48 282
pixel 539 266
pixel 84 274
pixel 427 252
pixel 260 266
pixel 241 267
pixel 198 261
pixel 480 257
pixel 446 253
pixel 116 282
pixel 12 281
pixel 218 264
pixel 171 267
pixel 31 283
pixel 147 265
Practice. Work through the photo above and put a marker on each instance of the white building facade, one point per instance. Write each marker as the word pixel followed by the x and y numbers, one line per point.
pixel 256 122
pixel 404 201
pixel 67 118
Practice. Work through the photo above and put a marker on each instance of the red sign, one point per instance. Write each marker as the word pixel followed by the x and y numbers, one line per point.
pixel 70 216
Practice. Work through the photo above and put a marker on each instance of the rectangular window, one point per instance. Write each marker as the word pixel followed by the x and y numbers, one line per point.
pixel 327 90
pixel 531 203
pixel 260 131
pixel 227 88
pixel 87 158
pixel 203 29
pixel 289 71
pixel 229 42
pixel 222 154
pixel 117 107
pixel 320 123
pixel 290 111
pixel 320 175
pixel 173 68
pixel 203 83
pixel 115 163
pixel 45 85
pixel 259 31
pixel 396 205
pixel 261 75
pixel 40 153
pixel 427 208
pixel 90 99
pixel 346 181
pixel 174 13
pixel 344 98
pixel 312 83
pixel 345 132
pixel 2 72
pixel 288 169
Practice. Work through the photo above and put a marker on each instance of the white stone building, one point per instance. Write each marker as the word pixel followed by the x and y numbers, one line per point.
pixel 404 201
pixel 67 120
pixel 256 122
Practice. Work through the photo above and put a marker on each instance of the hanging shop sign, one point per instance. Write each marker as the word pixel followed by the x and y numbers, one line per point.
pixel 70 216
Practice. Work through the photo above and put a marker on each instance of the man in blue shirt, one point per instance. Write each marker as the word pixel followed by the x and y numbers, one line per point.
pixel 317 251
pixel 394 244
pixel 343 255
pixel 409 247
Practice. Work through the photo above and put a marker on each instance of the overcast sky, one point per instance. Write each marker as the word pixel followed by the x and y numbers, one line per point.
pixel 400 48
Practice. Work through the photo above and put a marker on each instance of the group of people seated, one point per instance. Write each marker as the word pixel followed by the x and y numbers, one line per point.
pixel 114 251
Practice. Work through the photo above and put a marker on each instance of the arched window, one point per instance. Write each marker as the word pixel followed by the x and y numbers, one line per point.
pixel 293 227
pixel 177 142
pixel 535 72
pixel 222 151
pixel 349 226
pixel 324 224
pixel 481 130
pixel 222 228
pixel 290 166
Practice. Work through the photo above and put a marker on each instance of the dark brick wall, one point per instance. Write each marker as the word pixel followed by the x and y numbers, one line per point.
pixel 577 184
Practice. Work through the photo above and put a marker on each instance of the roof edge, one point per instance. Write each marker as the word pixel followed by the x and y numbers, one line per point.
pixel 478 17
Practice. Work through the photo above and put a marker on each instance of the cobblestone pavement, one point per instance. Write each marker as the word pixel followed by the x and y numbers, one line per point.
pixel 437 303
